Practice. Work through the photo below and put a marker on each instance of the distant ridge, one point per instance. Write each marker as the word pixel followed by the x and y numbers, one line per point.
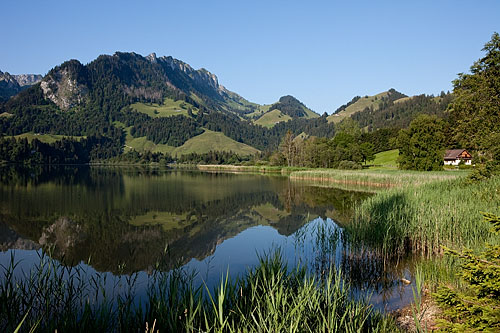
pixel 11 85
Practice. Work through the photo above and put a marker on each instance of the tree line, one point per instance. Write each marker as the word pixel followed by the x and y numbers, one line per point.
pixel 64 151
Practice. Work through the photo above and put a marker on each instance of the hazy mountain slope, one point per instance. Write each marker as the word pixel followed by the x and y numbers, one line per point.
pixel 11 85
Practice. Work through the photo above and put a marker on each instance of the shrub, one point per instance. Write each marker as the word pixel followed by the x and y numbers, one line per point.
pixel 478 307
pixel 349 165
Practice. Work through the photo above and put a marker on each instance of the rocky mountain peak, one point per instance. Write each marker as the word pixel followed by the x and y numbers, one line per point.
pixel 28 79
pixel 152 58
pixel 8 86
pixel 62 85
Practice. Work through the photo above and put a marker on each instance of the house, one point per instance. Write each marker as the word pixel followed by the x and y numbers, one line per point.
pixel 455 156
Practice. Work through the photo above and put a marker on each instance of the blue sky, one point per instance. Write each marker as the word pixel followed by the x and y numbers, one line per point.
pixel 322 52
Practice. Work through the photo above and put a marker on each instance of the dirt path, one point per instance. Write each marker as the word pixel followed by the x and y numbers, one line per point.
pixel 430 311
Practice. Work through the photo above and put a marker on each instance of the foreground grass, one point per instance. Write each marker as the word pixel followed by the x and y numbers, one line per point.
pixel 422 219
pixel 269 298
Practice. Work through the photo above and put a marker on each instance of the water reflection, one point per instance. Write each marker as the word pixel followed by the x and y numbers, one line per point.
pixel 127 219
pixel 129 216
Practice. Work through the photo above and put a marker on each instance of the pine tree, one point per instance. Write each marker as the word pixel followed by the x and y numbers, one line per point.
pixel 477 309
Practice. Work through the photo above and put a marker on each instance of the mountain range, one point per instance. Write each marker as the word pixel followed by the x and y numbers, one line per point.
pixel 11 85
pixel 160 104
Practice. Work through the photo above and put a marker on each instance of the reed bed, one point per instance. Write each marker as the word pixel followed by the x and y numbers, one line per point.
pixel 422 219
pixel 375 178
pixel 269 298
pixel 248 168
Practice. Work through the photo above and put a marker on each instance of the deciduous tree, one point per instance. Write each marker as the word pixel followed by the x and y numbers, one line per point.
pixel 422 144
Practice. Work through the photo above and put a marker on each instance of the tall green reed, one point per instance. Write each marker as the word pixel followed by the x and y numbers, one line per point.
pixel 421 219
pixel 271 297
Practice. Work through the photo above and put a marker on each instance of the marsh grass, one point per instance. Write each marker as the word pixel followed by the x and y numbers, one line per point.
pixel 422 219
pixel 271 297
pixel 249 168
pixel 375 178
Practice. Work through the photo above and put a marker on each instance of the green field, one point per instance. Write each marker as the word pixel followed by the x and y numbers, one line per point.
pixel 199 144
pixel 142 144
pixel 167 109
pixel 47 138
pixel 385 159
pixel 214 141
pixel 269 119
pixel 359 105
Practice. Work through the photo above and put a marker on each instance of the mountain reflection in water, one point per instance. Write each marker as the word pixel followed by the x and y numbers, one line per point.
pixel 127 219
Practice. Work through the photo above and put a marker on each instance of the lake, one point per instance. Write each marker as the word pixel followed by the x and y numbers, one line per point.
pixel 125 221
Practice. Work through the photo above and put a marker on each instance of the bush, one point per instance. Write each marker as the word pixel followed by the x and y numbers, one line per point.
pixel 349 165
pixel 478 307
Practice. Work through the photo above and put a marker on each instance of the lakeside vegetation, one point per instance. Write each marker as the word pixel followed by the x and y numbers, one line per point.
pixel 271 297
pixel 422 219
pixel 374 178
pixel 421 213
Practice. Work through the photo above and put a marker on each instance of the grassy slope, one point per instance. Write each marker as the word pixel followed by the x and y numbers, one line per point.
pixel 142 144
pixel 259 112
pixel 310 114
pixel 167 109
pixel 210 140
pixel 404 99
pixel 47 138
pixel 269 119
pixel 200 144
pixel 385 159
pixel 360 105
pixel 236 102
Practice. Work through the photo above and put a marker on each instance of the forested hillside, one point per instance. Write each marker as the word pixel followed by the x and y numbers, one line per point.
pixel 135 102
pixel 400 113
pixel 109 98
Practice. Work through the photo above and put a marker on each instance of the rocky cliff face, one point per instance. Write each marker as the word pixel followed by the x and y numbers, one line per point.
pixel 27 79
pixel 62 87
pixel 200 76
pixel 126 77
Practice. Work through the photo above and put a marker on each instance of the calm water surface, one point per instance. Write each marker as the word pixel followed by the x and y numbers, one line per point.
pixel 120 221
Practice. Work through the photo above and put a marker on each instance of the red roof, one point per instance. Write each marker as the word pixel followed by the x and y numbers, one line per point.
pixel 453 154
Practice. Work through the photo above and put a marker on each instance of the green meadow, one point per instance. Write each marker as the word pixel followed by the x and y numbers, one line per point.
pixel 386 159
pixel 167 109
pixel 47 138
pixel 213 141
pixel 269 119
